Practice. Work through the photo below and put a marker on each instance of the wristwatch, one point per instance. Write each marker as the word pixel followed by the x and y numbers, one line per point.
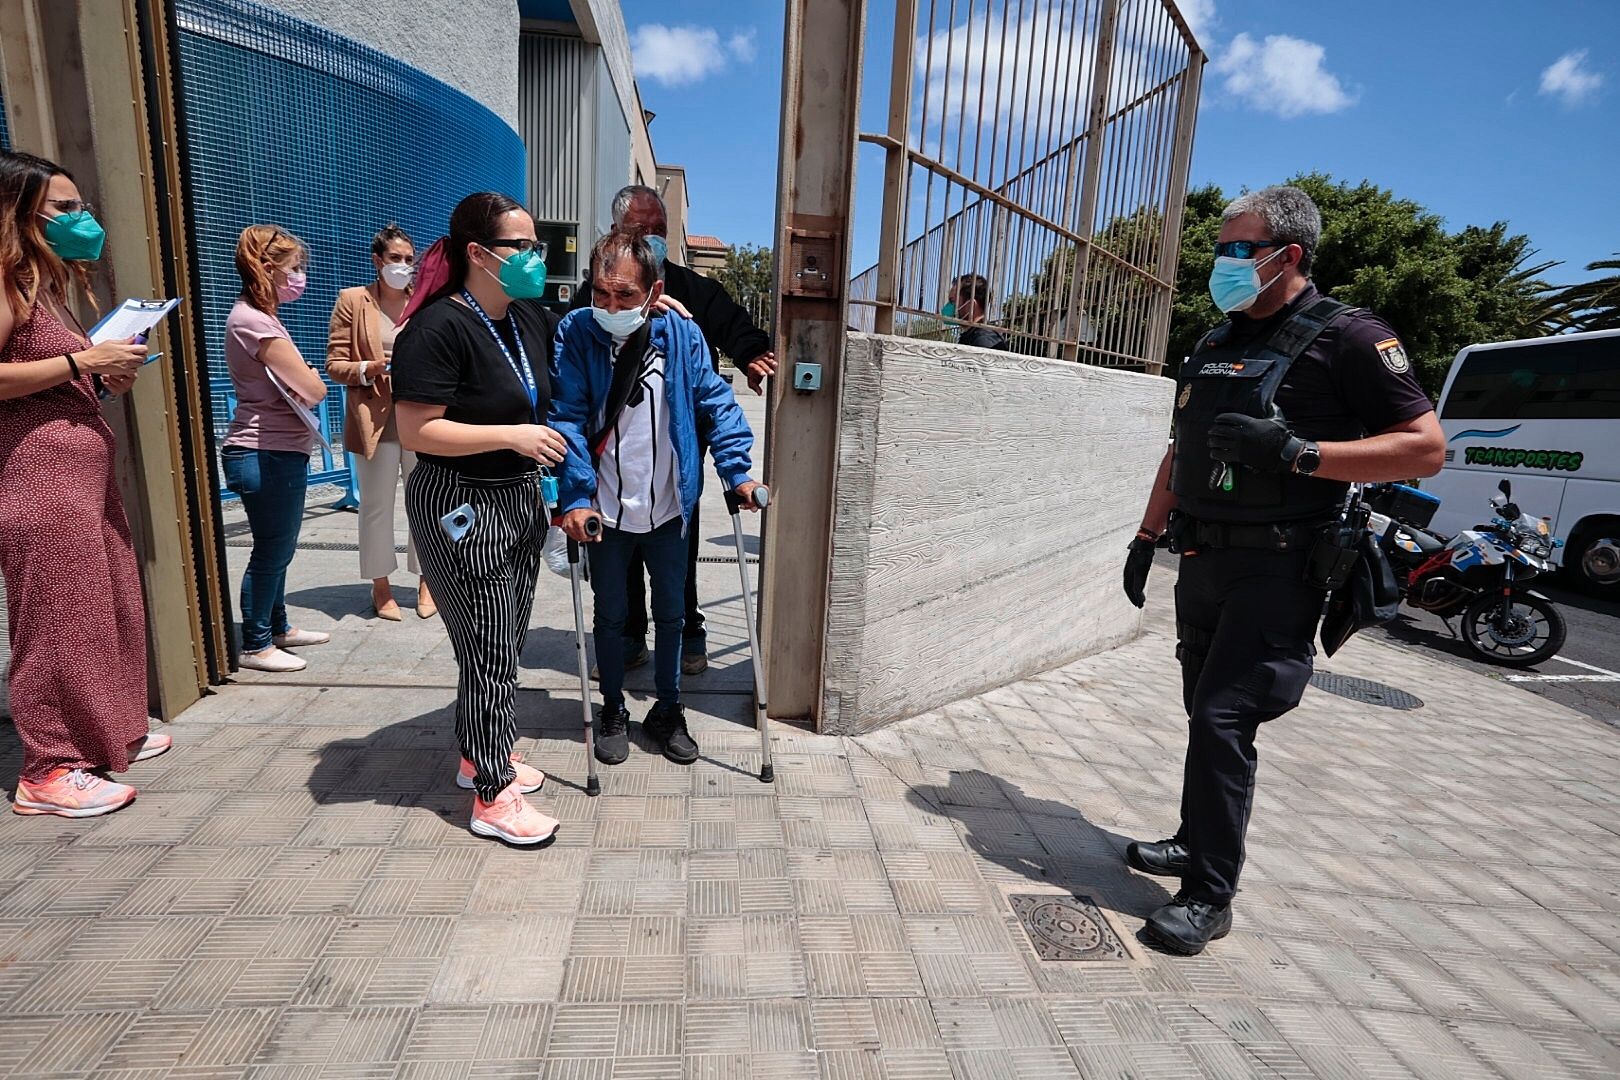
pixel 1308 460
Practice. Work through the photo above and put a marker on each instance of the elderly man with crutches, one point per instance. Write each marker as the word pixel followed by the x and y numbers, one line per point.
pixel 632 387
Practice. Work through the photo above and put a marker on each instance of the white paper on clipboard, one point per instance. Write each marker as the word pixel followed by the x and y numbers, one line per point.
pixel 130 318
pixel 310 417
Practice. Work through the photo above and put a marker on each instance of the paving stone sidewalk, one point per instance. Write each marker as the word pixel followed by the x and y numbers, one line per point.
pixel 1432 893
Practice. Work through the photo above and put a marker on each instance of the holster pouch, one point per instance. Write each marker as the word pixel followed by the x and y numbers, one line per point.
pixel 1336 551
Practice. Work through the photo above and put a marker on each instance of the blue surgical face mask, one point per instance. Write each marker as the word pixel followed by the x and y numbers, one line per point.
pixel 660 247
pixel 1234 284
pixel 619 324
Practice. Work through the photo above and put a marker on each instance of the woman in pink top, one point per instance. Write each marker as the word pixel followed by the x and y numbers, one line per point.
pixel 266 452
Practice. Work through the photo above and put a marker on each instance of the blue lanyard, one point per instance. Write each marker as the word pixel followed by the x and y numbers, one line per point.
pixel 525 375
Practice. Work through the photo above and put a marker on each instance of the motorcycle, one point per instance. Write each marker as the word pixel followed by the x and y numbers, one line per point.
pixel 1481 574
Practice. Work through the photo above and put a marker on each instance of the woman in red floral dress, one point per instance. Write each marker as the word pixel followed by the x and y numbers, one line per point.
pixel 78 626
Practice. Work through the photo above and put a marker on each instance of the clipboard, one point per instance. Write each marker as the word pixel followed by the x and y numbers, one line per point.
pixel 133 318
pixel 310 417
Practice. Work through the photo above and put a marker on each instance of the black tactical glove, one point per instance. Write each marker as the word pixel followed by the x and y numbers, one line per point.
pixel 1137 565
pixel 1264 444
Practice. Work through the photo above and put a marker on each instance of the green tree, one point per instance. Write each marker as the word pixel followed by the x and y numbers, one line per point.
pixel 749 276
pixel 1439 290
pixel 1590 305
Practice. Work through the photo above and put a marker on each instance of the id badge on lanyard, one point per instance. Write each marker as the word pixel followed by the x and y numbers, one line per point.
pixel 525 376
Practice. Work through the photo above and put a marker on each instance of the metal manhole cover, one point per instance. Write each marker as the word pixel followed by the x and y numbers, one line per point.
pixel 1067 927
pixel 1365 691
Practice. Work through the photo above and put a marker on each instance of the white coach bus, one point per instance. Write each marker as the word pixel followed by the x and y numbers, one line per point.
pixel 1545 414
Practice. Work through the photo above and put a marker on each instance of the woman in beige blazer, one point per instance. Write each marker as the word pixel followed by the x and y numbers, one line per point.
pixel 359 349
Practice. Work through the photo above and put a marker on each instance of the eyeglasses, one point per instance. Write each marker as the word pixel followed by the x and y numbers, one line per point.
pixel 1244 249
pixel 71 206
pixel 519 243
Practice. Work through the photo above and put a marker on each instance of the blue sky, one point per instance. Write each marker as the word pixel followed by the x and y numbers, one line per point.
pixel 1482 110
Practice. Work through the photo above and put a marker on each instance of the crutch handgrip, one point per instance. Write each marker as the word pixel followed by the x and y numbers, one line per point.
pixel 761 498
pixel 593 526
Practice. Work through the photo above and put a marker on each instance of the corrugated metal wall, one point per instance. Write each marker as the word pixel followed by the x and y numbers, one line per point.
pixel 554 113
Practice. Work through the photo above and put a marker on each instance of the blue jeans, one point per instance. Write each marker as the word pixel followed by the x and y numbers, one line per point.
pixel 664 552
pixel 271 484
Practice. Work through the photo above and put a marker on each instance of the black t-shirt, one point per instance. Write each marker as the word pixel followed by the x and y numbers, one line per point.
pixel 982 337
pixel 1356 369
pixel 446 356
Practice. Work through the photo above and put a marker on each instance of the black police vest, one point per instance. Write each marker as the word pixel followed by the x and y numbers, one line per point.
pixel 1221 378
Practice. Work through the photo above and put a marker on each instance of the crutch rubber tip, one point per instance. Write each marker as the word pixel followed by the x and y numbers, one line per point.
pixel 593 787
pixel 767 775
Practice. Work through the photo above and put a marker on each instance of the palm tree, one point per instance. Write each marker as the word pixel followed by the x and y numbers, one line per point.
pixel 1591 305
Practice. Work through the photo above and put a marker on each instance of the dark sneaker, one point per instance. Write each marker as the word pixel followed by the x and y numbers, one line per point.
pixel 635 655
pixel 612 735
pixel 695 663
pixel 1185 925
pixel 666 726
pixel 1167 858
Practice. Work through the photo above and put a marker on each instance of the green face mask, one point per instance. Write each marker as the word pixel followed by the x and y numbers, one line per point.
pixel 75 237
pixel 523 275
pixel 949 310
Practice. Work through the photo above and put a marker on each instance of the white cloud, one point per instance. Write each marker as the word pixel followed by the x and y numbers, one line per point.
pixel 675 55
pixel 1282 75
pixel 742 46
pixel 1200 17
pixel 1569 78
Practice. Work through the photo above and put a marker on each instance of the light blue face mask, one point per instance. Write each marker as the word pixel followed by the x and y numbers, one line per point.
pixel 619 324
pixel 660 247
pixel 1234 284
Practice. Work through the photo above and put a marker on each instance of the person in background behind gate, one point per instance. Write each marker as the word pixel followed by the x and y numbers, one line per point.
pixel 969 302
pixel 634 386
pixel 266 451
pixel 359 350
pixel 73 590
pixel 1277 410
pixel 471 389
pixel 640 211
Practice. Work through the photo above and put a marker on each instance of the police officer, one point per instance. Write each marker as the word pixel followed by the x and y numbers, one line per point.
pixel 1277 410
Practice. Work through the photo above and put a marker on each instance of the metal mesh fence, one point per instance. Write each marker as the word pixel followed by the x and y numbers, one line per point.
pixel 288 123
pixel 5 125
pixel 1043 147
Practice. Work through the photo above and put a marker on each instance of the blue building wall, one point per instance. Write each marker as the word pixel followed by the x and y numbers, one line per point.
pixel 5 126
pixel 290 124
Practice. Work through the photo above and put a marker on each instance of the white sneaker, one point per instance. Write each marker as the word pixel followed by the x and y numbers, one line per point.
pixel 296 638
pixel 272 659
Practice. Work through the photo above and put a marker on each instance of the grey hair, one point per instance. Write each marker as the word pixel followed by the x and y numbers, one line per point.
pixel 607 252
pixel 628 195
pixel 1290 216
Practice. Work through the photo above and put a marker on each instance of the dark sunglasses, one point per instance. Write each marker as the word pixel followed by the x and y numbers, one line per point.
pixel 1243 249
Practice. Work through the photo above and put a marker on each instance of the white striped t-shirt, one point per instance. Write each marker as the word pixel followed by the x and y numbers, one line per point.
pixel 637 484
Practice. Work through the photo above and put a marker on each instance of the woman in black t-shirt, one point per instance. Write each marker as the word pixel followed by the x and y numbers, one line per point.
pixel 471 387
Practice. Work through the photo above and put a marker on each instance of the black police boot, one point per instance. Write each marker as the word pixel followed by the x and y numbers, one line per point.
pixel 1185 925
pixel 1167 858
pixel 666 726
pixel 612 734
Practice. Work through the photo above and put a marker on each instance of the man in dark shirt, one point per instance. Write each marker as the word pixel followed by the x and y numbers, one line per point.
pixel 969 302
pixel 639 211
pixel 1278 410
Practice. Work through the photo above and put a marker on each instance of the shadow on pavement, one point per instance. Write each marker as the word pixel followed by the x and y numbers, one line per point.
pixel 1048 842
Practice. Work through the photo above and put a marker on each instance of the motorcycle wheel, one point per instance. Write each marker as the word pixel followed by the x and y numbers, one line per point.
pixel 1534 630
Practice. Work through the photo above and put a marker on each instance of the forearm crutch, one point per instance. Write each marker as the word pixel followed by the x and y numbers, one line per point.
pixel 593 786
pixel 734 503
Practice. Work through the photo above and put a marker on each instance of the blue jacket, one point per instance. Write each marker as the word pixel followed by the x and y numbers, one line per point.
pixel 582 373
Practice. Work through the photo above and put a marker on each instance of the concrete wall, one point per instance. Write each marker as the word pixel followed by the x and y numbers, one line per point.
pixel 984 504
pixel 472 46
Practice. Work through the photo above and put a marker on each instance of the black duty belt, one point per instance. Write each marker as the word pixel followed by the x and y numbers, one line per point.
pixel 1277 536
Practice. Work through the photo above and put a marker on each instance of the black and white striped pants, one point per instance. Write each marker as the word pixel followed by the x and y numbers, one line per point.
pixel 484 586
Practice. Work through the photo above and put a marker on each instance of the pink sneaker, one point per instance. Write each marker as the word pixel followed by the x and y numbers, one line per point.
pixel 150 746
pixel 72 793
pixel 511 818
pixel 528 780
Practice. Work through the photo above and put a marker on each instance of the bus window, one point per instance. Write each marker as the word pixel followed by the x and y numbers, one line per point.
pixel 1550 380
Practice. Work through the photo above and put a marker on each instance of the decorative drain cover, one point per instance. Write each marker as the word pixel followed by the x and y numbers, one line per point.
pixel 1067 927
pixel 1365 691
